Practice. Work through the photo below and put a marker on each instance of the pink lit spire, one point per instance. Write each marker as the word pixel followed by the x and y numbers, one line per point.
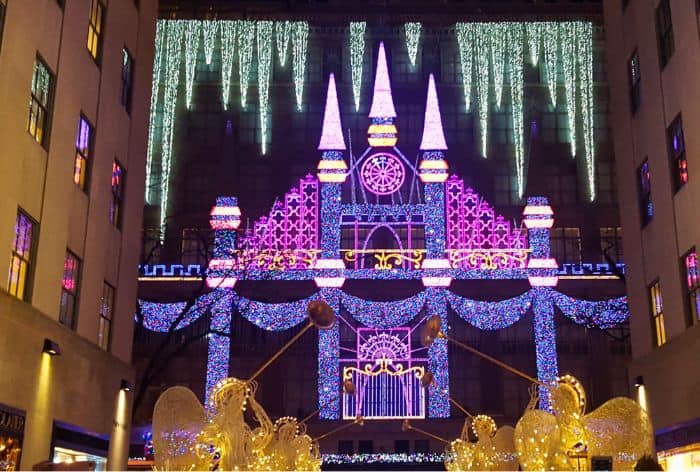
pixel 332 132
pixel 382 103
pixel 433 137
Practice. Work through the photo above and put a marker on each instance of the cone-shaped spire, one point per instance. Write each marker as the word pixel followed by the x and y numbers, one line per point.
pixel 382 103
pixel 332 132
pixel 433 136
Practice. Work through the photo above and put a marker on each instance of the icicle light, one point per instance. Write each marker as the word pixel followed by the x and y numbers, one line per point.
pixel 585 64
pixel 300 40
pixel 228 48
pixel 514 53
pixel 357 58
pixel 482 47
pixel 498 44
pixel 534 37
pixel 161 33
pixel 193 31
pixel 550 38
pixel 209 30
pixel 264 39
pixel 465 37
pixel 246 40
pixel 283 30
pixel 412 31
pixel 567 37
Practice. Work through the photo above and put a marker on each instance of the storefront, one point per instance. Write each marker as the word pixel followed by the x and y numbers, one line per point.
pixel 679 446
pixel 70 444
pixel 11 437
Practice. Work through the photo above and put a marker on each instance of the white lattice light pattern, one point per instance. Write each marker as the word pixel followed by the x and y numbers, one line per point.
pixel 193 32
pixel 209 30
pixel 357 58
pixel 161 33
pixel 264 41
pixel 465 38
pixel 300 40
pixel 412 31
pixel 246 40
pixel 283 30
pixel 228 50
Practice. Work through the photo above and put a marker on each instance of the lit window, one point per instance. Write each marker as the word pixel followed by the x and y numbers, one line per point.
pixel 2 18
pixel 657 313
pixel 611 243
pixel 95 28
pixel 104 329
pixel 646 205
pixel 566 245
pixel 69 290
pixel 127 80
pixel 40 102
pixel 664 32
pixel 692 279
pixel 115 206
pixel 676 147
pixel 18 283
pixel 83 152
pixel 635 76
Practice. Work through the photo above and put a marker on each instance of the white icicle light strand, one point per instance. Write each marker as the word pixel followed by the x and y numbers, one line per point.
pixel 228 50
pixel 550 38
pixel 482 49
pixel 585 66
pixel 192 33
pixel 567 39
pixel 498 44
pixel 246 40
pixel 209 30
pixel 514 38
pixel 161 33
pixel 300 40
pixel 465 38
pixel 282 32
pixel 264 41
pixel 357 58
pixel 412 32
pixel 534 37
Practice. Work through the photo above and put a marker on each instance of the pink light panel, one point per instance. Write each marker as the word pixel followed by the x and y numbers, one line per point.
pixel 332 132
pixel 433 136
pixel 382 103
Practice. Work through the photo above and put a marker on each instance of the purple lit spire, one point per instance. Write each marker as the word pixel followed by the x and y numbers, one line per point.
pixel 332 132
pixel 433 137
pixel 382 103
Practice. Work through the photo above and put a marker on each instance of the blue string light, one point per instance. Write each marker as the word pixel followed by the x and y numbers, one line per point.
pixel 490 315
pixel 384 314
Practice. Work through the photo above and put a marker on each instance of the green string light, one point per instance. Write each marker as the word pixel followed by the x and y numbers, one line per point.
pixel 412 31
pixel 514 39
pixel 498 44
pixel 228 48
pixel 283 30
pixel 357 58
pixel 585 65
pixel 161 33
pixel 300 40
pixel 482 47
pixel 246 39
pixel 534 35
pixel 264 40
pixel 567 38
pixel 209 30
pixel 465 37
pixel 550 38
pixel 193 31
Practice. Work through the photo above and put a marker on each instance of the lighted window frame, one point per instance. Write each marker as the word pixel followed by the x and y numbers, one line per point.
pixel 566 245
pixel 692 283
pixel 22 258
pixel 646 204
pixel 657 313
pixel 676 150
pixel 664 32
pixel 40 102
pixel 104 328
pixel 84 145
pixel 635 78
pixel 95 25
pixel 127 80
pixel 70 288
pixel 117 194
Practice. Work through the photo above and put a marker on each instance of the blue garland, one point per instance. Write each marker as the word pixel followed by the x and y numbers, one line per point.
pixel 384 314
pixel 593 314
pixel 273 316
pixel 490 315
pixel 159 317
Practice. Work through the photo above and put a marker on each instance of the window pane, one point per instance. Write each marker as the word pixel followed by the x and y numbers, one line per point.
pixel 69 289
pixel 118 176
pixel 21 258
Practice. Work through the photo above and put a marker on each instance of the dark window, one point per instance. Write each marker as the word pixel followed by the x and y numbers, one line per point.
pixel 676 148
pixel 151 246
pixel 115 205
pixel 197 246
pixel 657 313
pixel 625 3
pixel 19 280
pixel 664 32
pixel 104 329
pixel 421 446
pixel 401 446
pixel 94 36
pixel 365 446
pixel 566 245
pixel 69 290
pixel 2 19
pixel 346 447
pixel 635 77
pixel 84 143
pixel 611 243
pixel 40 102
pixel 692 280
pixel 646 205
pixel 127 80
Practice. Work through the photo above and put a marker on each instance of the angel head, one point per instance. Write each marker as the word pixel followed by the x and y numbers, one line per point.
pixel 568 397
pixel 483 427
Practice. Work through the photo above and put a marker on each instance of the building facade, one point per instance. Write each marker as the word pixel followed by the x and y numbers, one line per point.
pixel 652 55
pixel 75 81
pixel 219 143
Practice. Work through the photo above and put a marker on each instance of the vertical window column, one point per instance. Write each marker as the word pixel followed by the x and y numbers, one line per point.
pixel 83 152
pixel 646 205
pixel 635 77
pixel 664 32
pixel 104 329
pixel 69 290
pixel 40 102
pixel 19 280
pixel 657 313
pixel 676 149
pixel 692 280
pixel 115 206
pixel 127 80
pixel 94 36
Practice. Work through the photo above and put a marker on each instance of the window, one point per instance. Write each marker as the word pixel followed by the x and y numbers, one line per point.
pixel 611 243
pixel 69 290
pixel 566 245
pixel 115 205
pixel 402 446
pixel 676 147
pixel 2 18
pixel 346 446
pixel 421 446
pixel 196 246
pixel 692 278
pixel 40 102
pixel 83 152
pixel 365 446
pixel 19 280
pixel 664 32
pixel 94 36
pixel 127 80
pixel 104 329
pixel 646 206
pixel 505 191
pixel 635 76
pixel 657 313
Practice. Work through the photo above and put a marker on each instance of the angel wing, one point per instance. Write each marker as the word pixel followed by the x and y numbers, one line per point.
pixel 504 446
pixel 178 418
pixel 619 428
pixel 532 437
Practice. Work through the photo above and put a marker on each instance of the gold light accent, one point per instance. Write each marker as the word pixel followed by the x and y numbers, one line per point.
pixel 381 366
pixel 275 259
pixel 387 259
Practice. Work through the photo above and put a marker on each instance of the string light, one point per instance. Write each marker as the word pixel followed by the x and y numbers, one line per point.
pixel 357 57
pixel 300 39
pixel 161 32
pixel 209 30
pixel 490 315
pixel 498 43
pixel 515 72
pixel 384 458
pixel 173 59
pixel 228 48
pixel 274 316
pixel 246 39
pixel 264 69
pixel 192 33
pixel 412 31
pixel 585 66
pixel 550 35
pixel 534 34
pixel 283 31
pixel 465 38
pixel 384 314
pixel 219 349
pixel 567 38
pixel 482 40
pixel 329 360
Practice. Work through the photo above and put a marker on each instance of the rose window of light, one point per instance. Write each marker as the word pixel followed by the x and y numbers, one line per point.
pixel 383 174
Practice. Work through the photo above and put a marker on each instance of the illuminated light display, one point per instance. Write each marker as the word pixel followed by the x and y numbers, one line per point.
pixel 218 356
pixel 384 314
pixel 533 30
pixel 548 263
pixel 490 315
pixel 545 343
pixel 273 316
pixel 550 34
pixel 482 49
pixel 300 40
pixel 161 32
pixel 514 37
pixel 283 31
pixel 584 55
pixel 221 282
pixel 246 40
pixel 228 49
pixel 209 30
pixel 357 58
pixel 193 32
pixel 567 40
pixel 382 102
pixel 433 136
pixel 332 138
pixel 412 31
pixel 434 165
pixel 543 280
pixel 384 458
pixel 465 38
pixel 498 43
pixel 600 314
pixel 264 41
pixel 383 173
pixel 329 361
